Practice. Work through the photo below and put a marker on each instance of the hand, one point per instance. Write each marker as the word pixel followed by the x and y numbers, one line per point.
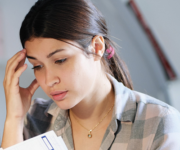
pixel 18 99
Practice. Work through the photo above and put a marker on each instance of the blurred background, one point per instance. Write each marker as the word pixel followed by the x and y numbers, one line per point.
pixel 147 31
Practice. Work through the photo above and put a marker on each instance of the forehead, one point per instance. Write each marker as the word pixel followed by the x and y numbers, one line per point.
pixel 48 44
pixel 42 44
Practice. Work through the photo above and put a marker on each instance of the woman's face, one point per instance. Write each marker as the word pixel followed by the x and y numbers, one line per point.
pixel 62 68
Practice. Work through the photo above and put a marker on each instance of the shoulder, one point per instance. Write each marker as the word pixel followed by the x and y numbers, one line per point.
pixel 153 106
pixel 158 120
pixel 133 105
pixel 154 123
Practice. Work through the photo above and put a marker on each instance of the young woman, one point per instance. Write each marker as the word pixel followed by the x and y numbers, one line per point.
pixel 92 103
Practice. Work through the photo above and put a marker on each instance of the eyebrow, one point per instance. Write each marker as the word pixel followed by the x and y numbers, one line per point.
pixel 48 56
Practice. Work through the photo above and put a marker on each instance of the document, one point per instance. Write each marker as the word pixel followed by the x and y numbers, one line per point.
pixel 46 141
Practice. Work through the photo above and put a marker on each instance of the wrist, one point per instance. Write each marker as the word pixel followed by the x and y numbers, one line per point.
pixel 15 122
pixel 13 132
pixel 15 117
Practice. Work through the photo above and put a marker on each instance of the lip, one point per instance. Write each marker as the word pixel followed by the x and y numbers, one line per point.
pixel 58 95
pixel 57 92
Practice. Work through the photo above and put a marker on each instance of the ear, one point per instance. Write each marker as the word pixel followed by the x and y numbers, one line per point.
pixel 98 46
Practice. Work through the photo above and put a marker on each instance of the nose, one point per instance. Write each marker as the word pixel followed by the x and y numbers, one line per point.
pixel 51 78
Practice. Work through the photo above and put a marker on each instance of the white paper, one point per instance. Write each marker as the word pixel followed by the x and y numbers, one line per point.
pixel 46 141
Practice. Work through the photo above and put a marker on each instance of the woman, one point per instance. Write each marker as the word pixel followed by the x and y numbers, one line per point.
pixel 92 105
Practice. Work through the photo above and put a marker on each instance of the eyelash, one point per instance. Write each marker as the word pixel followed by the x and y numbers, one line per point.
pixel 57 62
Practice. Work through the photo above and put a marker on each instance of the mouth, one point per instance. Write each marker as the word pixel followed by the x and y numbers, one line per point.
pixel 59 95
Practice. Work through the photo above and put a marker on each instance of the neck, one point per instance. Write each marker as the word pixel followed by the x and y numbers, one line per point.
pixel 92 109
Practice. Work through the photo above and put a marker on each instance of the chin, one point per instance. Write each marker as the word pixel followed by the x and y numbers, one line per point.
pixel 64 105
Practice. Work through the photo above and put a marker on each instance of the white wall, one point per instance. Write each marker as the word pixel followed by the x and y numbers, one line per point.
pixel 13 12
pixel 163 18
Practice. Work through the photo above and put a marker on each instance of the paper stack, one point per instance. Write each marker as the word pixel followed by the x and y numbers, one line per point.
pixel 46 141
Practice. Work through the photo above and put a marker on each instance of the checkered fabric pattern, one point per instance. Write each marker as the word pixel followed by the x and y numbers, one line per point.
pixel 139 122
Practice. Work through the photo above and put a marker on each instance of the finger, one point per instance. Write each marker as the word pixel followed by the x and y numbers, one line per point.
pixel 12 68
pixel 9 63
pixel 21 63
pixel 12 59
pixel 33 87
pixel 15 78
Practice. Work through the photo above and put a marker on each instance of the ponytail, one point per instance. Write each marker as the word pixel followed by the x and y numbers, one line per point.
pixel 116 66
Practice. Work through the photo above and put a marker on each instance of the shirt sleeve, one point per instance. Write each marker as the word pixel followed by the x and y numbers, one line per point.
pixel 37 121
pixel 168 132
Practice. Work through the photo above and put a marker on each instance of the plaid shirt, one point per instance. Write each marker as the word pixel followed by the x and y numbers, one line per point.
pixel 139 122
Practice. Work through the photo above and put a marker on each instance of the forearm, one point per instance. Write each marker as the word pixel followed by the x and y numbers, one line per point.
pixel 13 133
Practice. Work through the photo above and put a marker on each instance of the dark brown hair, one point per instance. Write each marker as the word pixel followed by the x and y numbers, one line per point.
pixel 75 20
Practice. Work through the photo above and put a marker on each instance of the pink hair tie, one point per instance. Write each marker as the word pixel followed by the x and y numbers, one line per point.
pixel 111 52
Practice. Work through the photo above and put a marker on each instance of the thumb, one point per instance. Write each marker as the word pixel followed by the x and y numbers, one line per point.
pixel 33 86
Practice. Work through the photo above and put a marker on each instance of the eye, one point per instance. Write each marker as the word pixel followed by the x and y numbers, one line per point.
pixel 57 62
pixel 37 67
pixel 60 61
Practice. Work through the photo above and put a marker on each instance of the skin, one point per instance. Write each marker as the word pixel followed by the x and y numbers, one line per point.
pixel 89 89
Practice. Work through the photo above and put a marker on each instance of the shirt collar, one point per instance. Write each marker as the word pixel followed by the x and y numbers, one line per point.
pixel 125 102
pixel 53 110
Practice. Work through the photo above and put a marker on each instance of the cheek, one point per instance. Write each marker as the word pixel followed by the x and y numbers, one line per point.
pixel 40 79
pixel 80 76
